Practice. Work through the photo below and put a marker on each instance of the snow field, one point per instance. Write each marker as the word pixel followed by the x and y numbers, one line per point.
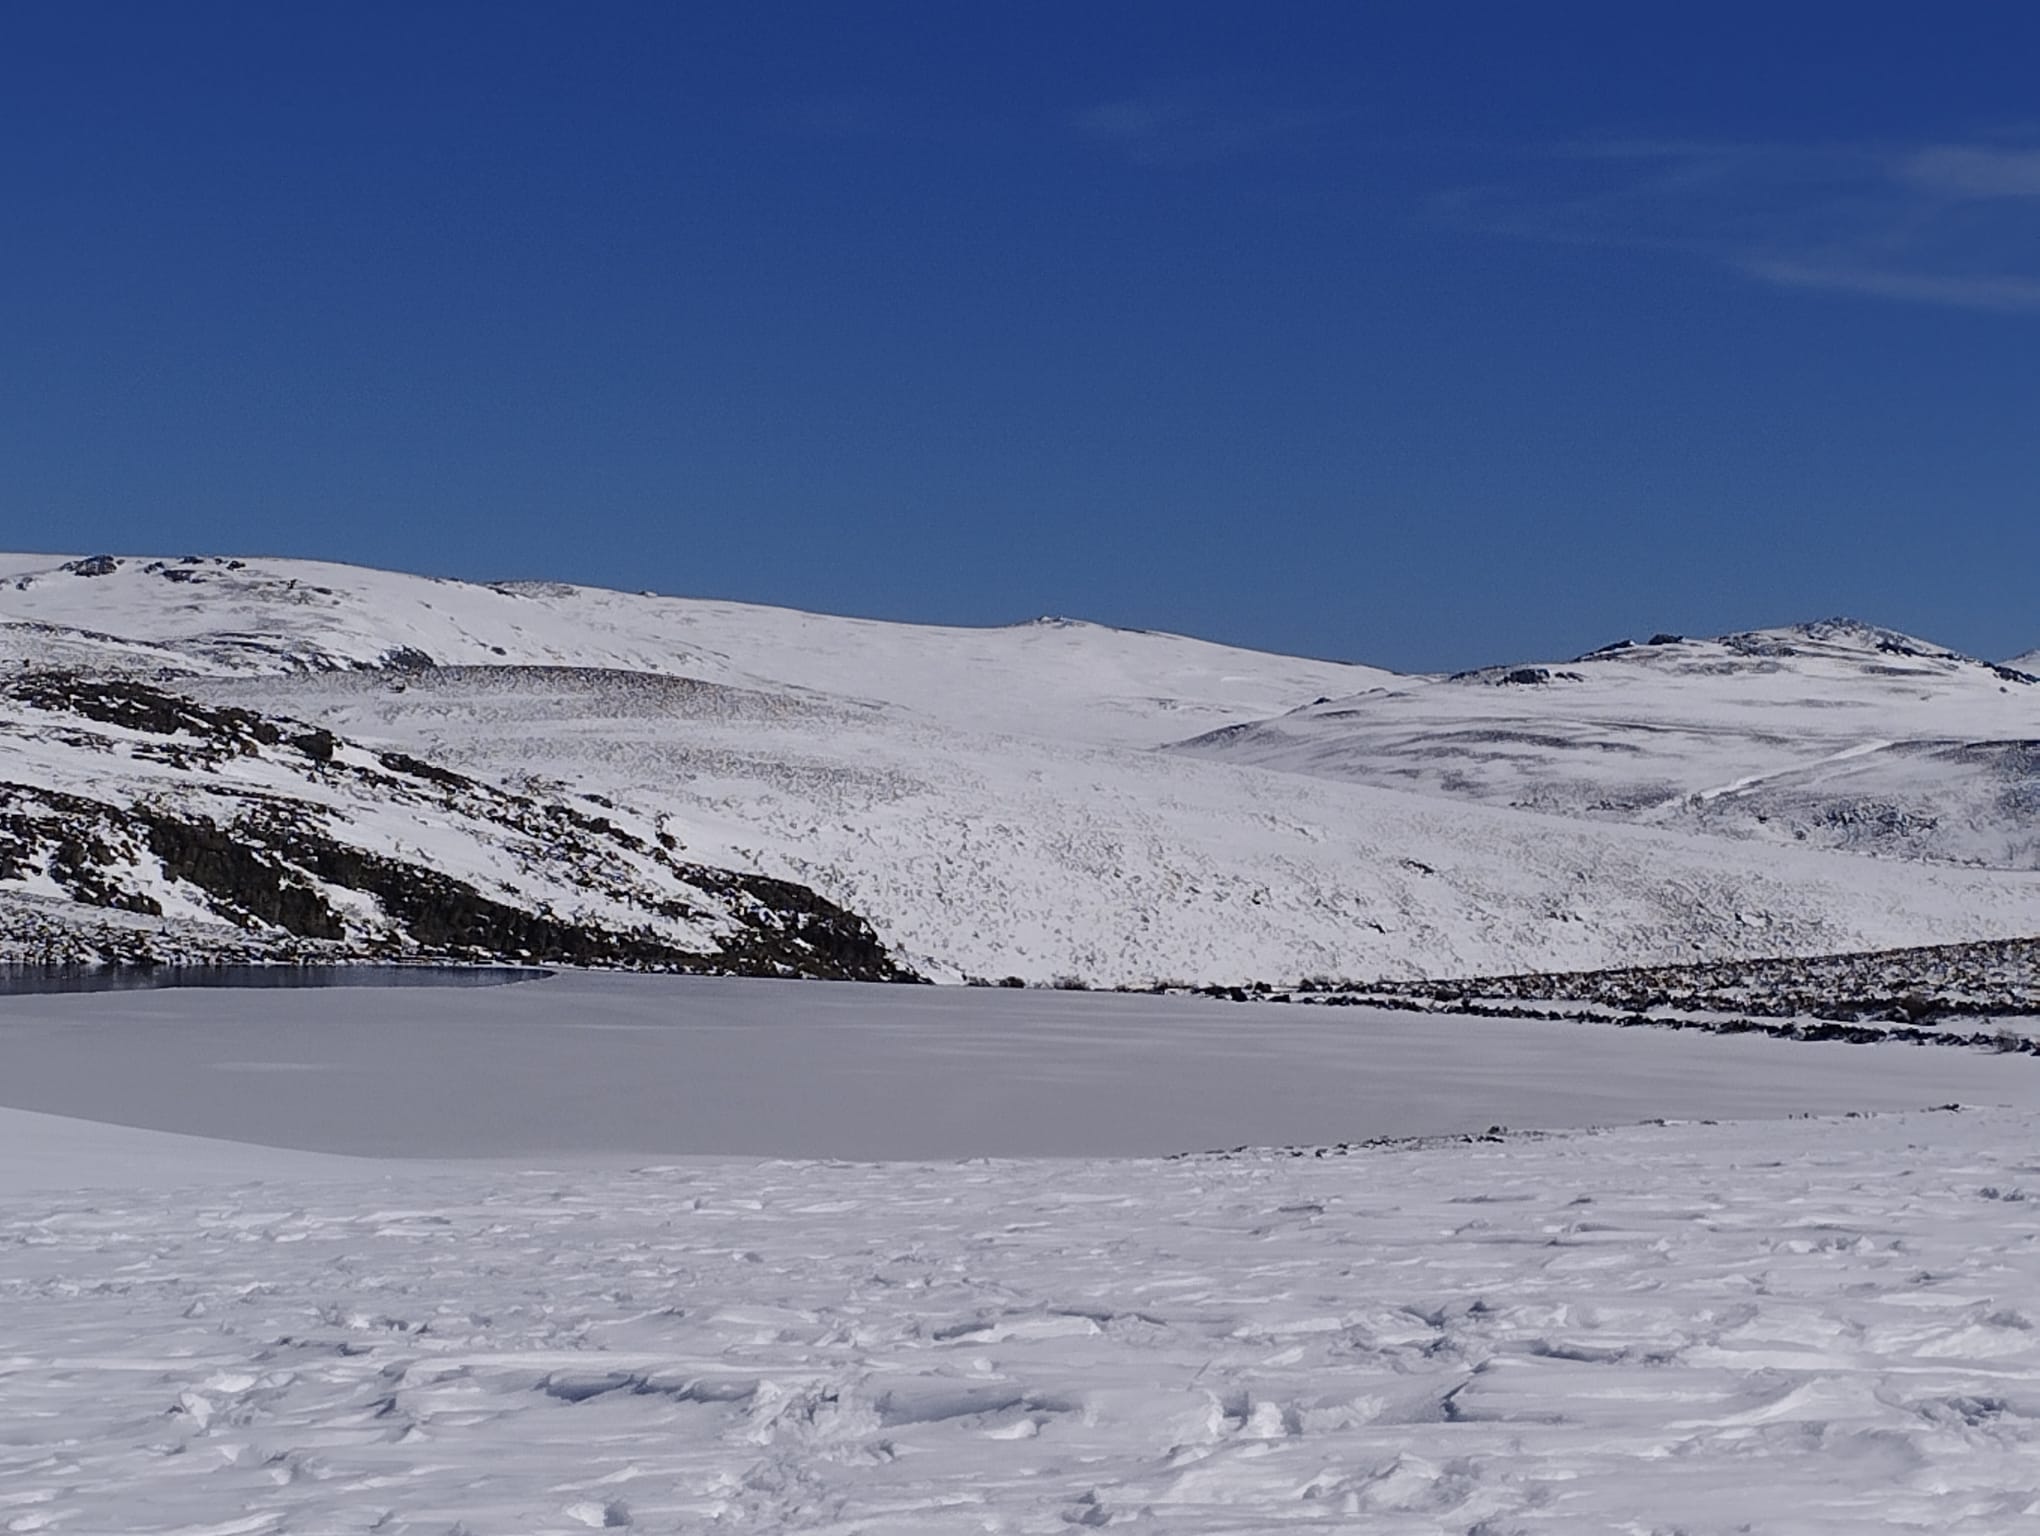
pixel 1797 1327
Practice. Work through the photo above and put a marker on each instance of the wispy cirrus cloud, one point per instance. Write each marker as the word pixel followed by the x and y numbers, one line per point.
pixel 2009 295
pixel 1953 224
pixel 1972 171
pixel 1194 122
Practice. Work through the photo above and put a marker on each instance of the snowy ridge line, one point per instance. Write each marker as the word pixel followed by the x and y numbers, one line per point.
pixel 262 615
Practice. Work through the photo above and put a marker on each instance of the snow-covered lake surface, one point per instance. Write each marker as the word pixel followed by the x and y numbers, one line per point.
pixel 1765 1325
pixel 683 1066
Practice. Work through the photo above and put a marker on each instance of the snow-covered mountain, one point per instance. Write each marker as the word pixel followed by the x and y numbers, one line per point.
pixel 992 801
pixel 1835 734
pixel 2028 663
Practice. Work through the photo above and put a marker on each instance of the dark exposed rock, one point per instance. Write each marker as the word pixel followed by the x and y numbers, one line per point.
pixel 247 881
pixel 418 768
pixel 318 745
pixel 1899 994
pixel 138 707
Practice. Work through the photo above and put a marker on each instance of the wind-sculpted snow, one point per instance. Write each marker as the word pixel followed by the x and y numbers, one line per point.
pixel 1824 1328
pixel 1834 735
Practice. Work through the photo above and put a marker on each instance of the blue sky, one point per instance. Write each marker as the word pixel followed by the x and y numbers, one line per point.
pixel 1417 334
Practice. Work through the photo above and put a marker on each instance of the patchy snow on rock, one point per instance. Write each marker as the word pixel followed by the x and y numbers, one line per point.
pixel 119 797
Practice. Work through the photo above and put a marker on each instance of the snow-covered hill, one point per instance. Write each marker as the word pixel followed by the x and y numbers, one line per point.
pixel 1058 677
pixel 991 800
pixel 1835 735
pixel 2028 663
pixel 995 855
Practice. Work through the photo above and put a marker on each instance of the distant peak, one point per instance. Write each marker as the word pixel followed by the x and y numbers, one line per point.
pixel 1842 631
pixel 1844 628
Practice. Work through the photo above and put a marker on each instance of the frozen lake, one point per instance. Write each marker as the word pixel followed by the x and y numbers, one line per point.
pixel 663 1067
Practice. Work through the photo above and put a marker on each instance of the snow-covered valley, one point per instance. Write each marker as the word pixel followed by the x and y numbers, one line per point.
pixel 1050 799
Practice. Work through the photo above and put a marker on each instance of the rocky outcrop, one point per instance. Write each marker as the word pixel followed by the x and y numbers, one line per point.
pixel 137 810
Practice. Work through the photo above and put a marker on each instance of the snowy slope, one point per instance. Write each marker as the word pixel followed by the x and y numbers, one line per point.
pixel 2028 663
pixel 136 824
pixel 989 799
pixel 1015 855
pixel 1835 734
pixel 1057 677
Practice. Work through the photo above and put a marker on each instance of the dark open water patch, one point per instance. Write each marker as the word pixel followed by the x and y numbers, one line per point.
pixel 40 980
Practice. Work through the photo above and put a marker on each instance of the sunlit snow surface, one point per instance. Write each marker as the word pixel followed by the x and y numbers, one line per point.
pixel 1778 1325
